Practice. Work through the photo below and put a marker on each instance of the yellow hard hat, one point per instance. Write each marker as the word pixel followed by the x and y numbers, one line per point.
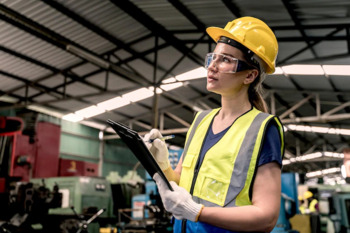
pixel 253 34
pixel 300 198
pixel 308 194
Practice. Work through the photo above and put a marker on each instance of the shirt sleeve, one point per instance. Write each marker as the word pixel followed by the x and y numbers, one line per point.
pixel 271 151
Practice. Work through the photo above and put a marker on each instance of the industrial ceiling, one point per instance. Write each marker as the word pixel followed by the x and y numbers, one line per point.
pixel 66 55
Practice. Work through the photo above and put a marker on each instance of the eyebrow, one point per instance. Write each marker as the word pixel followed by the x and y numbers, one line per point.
pixel 229 55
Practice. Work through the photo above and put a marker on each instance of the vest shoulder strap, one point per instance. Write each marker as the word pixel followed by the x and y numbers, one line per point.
pixel 194 126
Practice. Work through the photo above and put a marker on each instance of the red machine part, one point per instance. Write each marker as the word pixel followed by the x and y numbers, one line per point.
pixel 2 185
pixel 77 168
pixel 10 126
pixel 40 159
pixel 47 150
pixel 23 157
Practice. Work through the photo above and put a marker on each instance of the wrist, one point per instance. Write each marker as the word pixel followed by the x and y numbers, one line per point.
pixel 193 209
pixel 199 213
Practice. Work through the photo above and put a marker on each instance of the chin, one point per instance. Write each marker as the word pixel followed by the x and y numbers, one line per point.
pixel 213 90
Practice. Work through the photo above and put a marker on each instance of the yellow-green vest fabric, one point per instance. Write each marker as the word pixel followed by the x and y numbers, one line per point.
pixel 228 168
pixel 312 205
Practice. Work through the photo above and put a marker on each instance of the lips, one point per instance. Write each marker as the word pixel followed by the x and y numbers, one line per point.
pixel 212 79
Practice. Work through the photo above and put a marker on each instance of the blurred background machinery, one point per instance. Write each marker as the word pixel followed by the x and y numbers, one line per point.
pixel 41 192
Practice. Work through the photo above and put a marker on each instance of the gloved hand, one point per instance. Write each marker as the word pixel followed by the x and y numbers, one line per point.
pixel 157 148
pixel 178 202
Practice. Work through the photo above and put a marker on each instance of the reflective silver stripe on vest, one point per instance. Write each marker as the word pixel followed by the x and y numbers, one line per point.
pixel 194 127
pixel 239 174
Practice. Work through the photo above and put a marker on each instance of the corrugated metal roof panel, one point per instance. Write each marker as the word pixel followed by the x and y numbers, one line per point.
pixel 108 17
pixel 20 67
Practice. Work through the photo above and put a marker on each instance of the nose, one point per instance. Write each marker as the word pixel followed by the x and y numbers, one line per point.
pixel 213 65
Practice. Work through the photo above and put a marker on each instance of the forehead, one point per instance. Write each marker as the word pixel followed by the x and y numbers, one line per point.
pixel 228 49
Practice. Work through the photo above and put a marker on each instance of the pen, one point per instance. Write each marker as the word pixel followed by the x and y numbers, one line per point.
pixel 162 138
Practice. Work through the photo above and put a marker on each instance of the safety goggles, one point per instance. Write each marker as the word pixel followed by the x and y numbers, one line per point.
pixel 225 63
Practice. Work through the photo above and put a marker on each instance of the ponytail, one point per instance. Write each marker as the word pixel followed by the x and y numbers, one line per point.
pixel 255 92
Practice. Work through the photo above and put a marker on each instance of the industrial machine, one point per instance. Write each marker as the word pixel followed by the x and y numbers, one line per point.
pixel 39 191
pixel 339 209
pixel 289 203
pixel 83 198
pixel 28 206
pixel 147 211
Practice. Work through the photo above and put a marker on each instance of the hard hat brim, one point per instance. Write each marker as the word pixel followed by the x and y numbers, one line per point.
pixel 215 33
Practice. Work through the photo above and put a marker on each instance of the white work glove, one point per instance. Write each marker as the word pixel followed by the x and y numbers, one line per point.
pixel 178 202
pixel 157 148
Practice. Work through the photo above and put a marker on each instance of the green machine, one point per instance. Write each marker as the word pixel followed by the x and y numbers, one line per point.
pixel 334 207
pixel 340 209
pixel 87 195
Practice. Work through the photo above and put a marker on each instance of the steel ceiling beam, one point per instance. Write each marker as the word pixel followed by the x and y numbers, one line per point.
pixel 309 27
pixel 144 19
pixel 188 14
pixel 54 38
pixel 290 7
pixel 235 10
pixel 48 67
pixel 99 31
pixel 310 45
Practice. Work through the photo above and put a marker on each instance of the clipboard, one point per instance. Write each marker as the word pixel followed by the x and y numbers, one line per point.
pixel 136 144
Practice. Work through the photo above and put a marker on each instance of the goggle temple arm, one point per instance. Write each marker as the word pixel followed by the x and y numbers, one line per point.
pixel 244 66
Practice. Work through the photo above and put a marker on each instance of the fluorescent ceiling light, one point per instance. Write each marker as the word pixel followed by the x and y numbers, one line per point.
pixel 313 174
pixel 331 170
pixel 313 156
pixel 114 103
pixel 8 99
pixel 168 87
pixel 278 70
pixel 72 117
pixel 334 154
pixel 286 162
pixel 159 91
pixel 313 70
pixel 303 69
pixel 137 95
pixel 90 111
pixel 323 172
pixel 45 110
pixel 169 80
pixel 337 69
pixel 200 72
pixel 317 129
pixel 306 157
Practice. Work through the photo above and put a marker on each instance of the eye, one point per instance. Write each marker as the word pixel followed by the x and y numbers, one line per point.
pixel 226 59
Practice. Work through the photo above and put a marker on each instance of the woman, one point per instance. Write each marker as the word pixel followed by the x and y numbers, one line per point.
pixel 229 176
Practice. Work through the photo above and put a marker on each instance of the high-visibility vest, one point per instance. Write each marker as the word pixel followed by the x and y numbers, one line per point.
pixel 312 205
pixel 228 169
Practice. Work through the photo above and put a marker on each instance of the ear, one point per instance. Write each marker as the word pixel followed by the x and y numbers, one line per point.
pixel 251 76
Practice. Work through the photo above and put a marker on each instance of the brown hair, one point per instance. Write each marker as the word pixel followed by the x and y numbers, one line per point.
pixel 255 89
pixel 255 92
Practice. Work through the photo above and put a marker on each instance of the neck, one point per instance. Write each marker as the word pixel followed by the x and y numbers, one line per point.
pixel 234 106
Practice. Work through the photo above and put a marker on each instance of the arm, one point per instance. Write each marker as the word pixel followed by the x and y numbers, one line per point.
pixel 262 215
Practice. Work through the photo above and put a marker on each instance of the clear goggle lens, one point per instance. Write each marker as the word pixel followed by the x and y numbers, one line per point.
pixel 225 63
